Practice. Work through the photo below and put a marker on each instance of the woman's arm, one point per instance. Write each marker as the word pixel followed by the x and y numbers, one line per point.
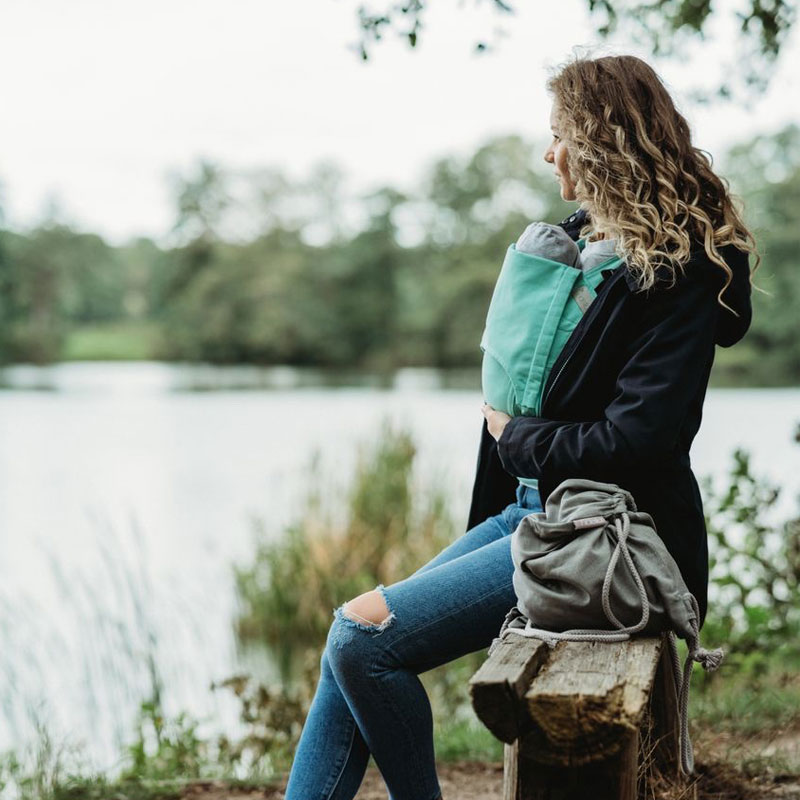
pixel 669 358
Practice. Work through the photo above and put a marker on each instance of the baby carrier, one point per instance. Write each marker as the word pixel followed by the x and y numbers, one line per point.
pixel 535 307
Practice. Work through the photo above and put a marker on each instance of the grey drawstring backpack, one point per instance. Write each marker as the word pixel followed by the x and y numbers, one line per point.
pixel 570 583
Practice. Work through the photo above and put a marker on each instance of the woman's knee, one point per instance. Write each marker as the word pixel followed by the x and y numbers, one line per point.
pixel 353 637
pixel 371 609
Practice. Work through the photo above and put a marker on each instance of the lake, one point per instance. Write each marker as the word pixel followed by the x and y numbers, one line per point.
pixel 128 491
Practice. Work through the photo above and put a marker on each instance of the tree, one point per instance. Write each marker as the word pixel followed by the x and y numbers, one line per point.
pixel 32 279
pixel 765 171
pixel 202 201
pixel 664 24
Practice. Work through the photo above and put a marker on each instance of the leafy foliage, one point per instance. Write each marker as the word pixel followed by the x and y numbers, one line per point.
pixel 268 272
pixel 273 716
pixel 165 748
pixel 288 591
pixel 763 26
pixel 755 570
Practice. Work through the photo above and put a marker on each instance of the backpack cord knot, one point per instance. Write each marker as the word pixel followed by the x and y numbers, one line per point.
pixel 709 659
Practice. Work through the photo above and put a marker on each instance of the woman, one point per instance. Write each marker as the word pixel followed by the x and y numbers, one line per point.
pixel 621 405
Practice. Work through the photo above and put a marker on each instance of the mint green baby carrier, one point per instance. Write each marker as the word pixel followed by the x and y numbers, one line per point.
pixel 535 307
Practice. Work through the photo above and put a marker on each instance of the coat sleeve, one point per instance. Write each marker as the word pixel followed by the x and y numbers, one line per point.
pixel 669 357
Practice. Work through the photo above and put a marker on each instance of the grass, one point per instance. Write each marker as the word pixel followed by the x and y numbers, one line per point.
pixel 466 741
pixel 113 341
pixel 750 721
pixel 744 703
pixel 738 367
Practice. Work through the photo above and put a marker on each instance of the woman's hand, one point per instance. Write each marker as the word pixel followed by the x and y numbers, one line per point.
pixel 496 420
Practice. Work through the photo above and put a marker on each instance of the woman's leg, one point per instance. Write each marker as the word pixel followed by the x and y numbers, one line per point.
pixel 368 683
pixel 331 756
pixel 435 616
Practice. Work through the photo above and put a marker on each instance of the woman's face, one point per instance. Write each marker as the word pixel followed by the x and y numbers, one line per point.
pixel 556 154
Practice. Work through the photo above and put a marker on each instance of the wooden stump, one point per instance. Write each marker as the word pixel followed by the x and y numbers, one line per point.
pixel 580 720
pixel 499 685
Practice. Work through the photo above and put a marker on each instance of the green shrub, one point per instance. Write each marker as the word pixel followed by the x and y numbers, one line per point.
pixel 754 571
pixel 288 593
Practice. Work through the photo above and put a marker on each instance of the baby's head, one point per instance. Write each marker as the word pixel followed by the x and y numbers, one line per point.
pixel 549 241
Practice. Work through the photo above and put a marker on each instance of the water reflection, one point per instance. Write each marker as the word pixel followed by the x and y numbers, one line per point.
pixel 159 377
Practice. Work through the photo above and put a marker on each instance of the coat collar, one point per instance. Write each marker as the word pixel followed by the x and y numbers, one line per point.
pixel 573 224
pixel 627 275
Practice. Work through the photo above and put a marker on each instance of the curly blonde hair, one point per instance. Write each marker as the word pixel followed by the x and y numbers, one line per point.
pixel 636 172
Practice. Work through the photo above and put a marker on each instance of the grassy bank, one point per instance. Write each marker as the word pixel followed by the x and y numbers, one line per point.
pixel 745 731
pixel 113 341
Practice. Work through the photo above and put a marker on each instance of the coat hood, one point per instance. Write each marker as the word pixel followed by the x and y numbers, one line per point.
pixel 731 329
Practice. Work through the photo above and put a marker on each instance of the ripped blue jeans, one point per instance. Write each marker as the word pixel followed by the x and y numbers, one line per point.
pixel 369 699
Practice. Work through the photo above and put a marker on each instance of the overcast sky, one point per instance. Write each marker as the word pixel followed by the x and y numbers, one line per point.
pixel 103 98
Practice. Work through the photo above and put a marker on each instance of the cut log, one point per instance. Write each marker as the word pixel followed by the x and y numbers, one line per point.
pixel 588 699
pixel 613 778
pixel 661 733
pixel 497 688
pixel 581 721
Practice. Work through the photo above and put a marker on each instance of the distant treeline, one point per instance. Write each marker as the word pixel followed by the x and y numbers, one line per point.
pixel 260 270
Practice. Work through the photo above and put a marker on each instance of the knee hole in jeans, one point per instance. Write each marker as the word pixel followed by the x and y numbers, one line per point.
pixel 349 617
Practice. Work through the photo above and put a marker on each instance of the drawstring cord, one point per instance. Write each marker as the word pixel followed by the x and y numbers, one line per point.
pixel 708 659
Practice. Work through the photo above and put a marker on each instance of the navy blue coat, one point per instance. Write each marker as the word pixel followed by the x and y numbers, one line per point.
pixel 624 401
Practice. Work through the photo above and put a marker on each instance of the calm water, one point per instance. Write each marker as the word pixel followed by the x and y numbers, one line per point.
pixel 128 491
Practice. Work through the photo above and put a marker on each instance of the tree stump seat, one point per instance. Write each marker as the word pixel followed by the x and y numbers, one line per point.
pixel 582 720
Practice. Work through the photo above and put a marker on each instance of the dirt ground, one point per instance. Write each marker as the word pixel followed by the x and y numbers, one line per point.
pixel 459 781
pixel 479 781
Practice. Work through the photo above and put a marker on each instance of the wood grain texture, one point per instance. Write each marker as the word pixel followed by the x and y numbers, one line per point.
pixel 660 750
pixel 497 688
pixel 588 699
pixel 581 721
pixel 511 787
pixel 613 778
